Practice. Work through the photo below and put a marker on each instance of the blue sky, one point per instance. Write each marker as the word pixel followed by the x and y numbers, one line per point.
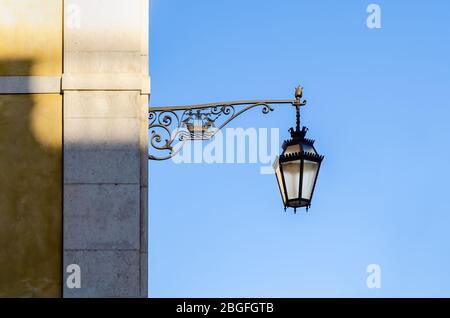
pixel 378 109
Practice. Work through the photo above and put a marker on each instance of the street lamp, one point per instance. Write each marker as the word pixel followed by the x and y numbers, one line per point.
pixel 296 169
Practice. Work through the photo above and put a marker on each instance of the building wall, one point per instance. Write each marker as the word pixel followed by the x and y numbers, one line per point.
pixel 106 89
pixel 30 149
pixel 74 90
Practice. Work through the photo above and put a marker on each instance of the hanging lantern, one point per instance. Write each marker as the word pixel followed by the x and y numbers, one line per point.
pixel 297 168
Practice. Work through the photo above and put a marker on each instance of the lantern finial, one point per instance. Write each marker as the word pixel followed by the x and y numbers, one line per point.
pixel 298 93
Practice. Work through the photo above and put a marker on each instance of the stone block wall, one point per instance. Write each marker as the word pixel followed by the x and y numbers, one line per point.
pixel 105 88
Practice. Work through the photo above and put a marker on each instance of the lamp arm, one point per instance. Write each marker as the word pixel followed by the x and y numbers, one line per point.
pixel 229 103
pixel 171 126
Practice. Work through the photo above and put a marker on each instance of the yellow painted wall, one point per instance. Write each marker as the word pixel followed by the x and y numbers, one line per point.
pixel 30 152
pixel 31 30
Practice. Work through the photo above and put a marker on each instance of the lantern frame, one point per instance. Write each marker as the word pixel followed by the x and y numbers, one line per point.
pixel 301 156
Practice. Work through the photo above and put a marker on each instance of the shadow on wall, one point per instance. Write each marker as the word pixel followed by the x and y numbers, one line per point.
pixel 105 157
pixel 30 190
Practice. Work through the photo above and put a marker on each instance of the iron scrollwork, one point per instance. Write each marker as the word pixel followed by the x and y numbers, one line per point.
pixel 171 127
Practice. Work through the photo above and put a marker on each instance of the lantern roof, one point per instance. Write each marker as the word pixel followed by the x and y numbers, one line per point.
pixel 299 147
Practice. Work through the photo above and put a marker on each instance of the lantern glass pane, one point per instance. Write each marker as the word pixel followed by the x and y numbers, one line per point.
pixel 308 148
pixel 291 172
pixel 310 169
pixel 292 149
pixel 276 166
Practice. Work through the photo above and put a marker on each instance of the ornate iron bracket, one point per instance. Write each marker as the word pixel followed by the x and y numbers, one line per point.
pixel 171 126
